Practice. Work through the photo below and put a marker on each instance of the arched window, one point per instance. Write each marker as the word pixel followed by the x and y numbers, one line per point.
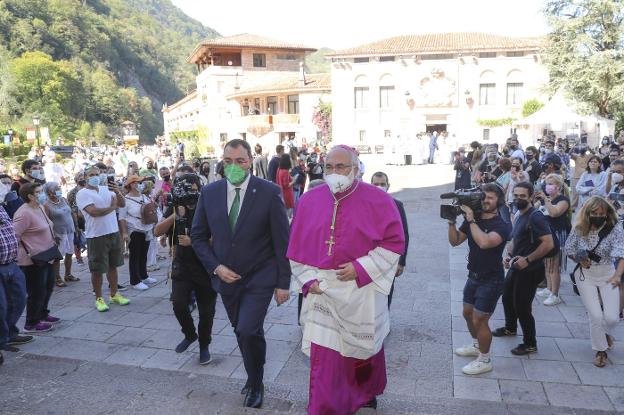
pixel 515 85
pixel 386 91
pixel 487 88
pixel 360 92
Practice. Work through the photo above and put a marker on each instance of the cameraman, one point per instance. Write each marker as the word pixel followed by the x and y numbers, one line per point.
pixel 188 276
pixel 486 241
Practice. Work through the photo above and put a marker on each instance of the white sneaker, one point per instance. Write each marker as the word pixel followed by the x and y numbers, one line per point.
pixel 476 367
pixel 140 286
pixel 153 268
pixel 543 293
pixel 552 300
pixel 150 280
pixel 468 350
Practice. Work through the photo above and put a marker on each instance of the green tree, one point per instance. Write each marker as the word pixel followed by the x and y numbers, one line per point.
pixel 100 132
pixel 585 52
pixel 531 106
pixel 8 104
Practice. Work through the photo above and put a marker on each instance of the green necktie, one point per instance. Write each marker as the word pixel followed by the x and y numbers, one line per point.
pixel 234 209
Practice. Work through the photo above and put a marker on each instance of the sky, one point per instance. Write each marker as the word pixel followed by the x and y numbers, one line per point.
pixel 340 24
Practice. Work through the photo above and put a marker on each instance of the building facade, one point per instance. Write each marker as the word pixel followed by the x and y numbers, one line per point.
pixel 248 87
pixel 467 84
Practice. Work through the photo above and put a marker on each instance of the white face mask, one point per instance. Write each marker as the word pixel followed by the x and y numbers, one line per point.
pixel 37 174
pixel 616 178
pixel 339 183
pixel 103 179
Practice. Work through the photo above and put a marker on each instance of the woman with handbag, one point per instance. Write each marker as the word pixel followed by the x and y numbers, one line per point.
pixel 595 243
pixel 60 213
pixel 37 252
pixel 136 230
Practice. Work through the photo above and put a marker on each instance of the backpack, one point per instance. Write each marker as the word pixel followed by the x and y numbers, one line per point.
pixel 149 211
pixel 557 244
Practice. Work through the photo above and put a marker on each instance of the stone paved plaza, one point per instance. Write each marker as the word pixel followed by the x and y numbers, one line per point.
pixel 123 360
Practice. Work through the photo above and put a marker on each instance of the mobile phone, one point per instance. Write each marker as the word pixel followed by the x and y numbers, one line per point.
pixel 111 179
pixel 589 183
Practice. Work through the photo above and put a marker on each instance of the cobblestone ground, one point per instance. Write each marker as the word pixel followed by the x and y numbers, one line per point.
pixel 123 361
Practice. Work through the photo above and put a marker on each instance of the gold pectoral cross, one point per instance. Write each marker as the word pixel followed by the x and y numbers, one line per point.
pixel 331 242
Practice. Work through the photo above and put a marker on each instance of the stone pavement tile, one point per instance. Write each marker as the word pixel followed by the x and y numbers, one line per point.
pixel 131 336
pixel 131 356
pixel 579 330
pixel 547 349
pixel 551 329
pixel 501 346
pixel 164 339
pixel 82 350
pixel 108 317
pixel 298 360
pixel 284 315
pixel 134 319
pixel 574 314
pixel 72 312
pixel 518 391
pixel 272 369
pixel 88 331
pixel 40 344
pixel 168 360
pixel 279 350
pixel 161 307
pixel 457 308
pixel 616 395
pixel 163 322
pixel 476 388
pixel 428 331
pixel 577 396
pixel 576 350
pixel 141 304
pixel 401 385
pixel 572 300
pixel 221 365
pixel 434 388
pixel 550 371
pixel 504 368
pixel 285 332
pixel 610 375
pixel 294 377
pixel 552 314
pixel 219 344
pixel 158 291
pixel 436 350
pixel 428 368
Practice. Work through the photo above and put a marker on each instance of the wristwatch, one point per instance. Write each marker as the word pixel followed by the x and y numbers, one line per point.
pixel 526 258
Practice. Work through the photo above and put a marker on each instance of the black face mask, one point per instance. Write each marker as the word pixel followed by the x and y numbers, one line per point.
pixel 597 221
pixel 521 203
pixel 513 147
pixel 529 156
pixel 82 183
pixel 167 177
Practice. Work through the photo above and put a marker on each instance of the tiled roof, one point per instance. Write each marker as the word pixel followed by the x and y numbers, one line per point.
pixel 443 43
pixel 282 82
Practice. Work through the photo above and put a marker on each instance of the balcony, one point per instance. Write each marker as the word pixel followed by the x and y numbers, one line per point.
pixel 260 125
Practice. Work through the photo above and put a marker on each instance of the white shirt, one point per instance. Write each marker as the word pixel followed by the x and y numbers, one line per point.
pixel 231 193
pixel 102 225
pixel 131 213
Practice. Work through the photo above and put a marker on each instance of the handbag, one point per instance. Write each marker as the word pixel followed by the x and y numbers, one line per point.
pixel 601 235
pixel 49 255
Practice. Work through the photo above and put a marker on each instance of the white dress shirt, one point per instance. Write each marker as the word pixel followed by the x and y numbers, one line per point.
pixel 231 192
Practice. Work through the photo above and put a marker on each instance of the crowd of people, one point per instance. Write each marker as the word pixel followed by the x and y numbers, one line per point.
pixel 543 207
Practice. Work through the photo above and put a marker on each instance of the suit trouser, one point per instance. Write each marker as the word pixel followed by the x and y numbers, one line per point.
pixel 137 266
pixel 181 292
pixel 12 301
pixel 603 319
pixel 246 310
pixel 518 294
pixel 39 286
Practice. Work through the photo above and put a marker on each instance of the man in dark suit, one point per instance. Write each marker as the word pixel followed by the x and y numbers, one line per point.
pixel 240 235
pixel 380 179
pixel 274 163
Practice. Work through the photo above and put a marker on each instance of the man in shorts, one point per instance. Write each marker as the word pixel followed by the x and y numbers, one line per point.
pixel 98 201
pixel 486 236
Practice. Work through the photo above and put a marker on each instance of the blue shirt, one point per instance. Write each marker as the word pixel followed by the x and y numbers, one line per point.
pixel 487 262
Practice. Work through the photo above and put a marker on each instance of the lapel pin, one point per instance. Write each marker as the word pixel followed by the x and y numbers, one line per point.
pixel 253 191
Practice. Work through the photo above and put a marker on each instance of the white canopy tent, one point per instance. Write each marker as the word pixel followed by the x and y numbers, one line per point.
pixel 557 116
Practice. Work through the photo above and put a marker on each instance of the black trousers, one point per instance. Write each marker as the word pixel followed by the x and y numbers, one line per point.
pixel 137 266
pixel 206 297
pixel 39 286
pixel 518 294
pixel 390 294
pixel 246 311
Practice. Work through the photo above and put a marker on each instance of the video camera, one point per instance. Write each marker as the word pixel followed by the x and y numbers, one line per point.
pixel 470 197
pixel 182 192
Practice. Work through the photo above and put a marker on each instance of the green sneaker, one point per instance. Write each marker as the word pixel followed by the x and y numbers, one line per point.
pixel 119 299
pixel 100 305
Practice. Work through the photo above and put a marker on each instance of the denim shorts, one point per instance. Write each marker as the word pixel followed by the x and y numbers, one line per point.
pixel 483 295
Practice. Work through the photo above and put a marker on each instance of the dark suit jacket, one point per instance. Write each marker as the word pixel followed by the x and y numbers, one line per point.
pixel 273 166
pixel 399 205
pixel 256 250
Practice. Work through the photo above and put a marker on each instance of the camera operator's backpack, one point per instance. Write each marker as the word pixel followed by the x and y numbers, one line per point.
pixel 149 211
pixel 556 242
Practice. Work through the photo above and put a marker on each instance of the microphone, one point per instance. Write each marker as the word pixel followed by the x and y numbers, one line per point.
pixel 448 195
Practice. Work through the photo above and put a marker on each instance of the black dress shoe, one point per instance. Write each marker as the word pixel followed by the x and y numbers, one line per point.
pixel 371 404
pixel 245 390
pixel 254 397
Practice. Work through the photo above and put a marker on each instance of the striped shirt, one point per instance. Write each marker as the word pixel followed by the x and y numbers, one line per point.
pixel 8 240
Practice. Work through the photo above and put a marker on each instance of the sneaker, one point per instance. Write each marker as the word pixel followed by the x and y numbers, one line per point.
pixel 37 328
pixel 119 299
pixel 477 367
pixel 183 345
pixel 121 287
pixel 204 356
pixel 153 268
pixel 502 332
pixel 20 340
pixel 522 349
pixel 9 348
pixel 150 280
pixel 543 293
pixel 101 305
pixel 468 350
pixel 552 300
pixel 601 359
pixel 51 319
pixel 140 286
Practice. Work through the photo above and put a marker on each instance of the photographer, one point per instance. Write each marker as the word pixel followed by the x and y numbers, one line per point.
pixel 188 275
pixel 486 241
pixel 532 241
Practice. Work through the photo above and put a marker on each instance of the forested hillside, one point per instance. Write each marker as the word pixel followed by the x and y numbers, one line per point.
pixel 88 64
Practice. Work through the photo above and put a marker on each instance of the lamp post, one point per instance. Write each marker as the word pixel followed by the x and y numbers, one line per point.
pixel 36 120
